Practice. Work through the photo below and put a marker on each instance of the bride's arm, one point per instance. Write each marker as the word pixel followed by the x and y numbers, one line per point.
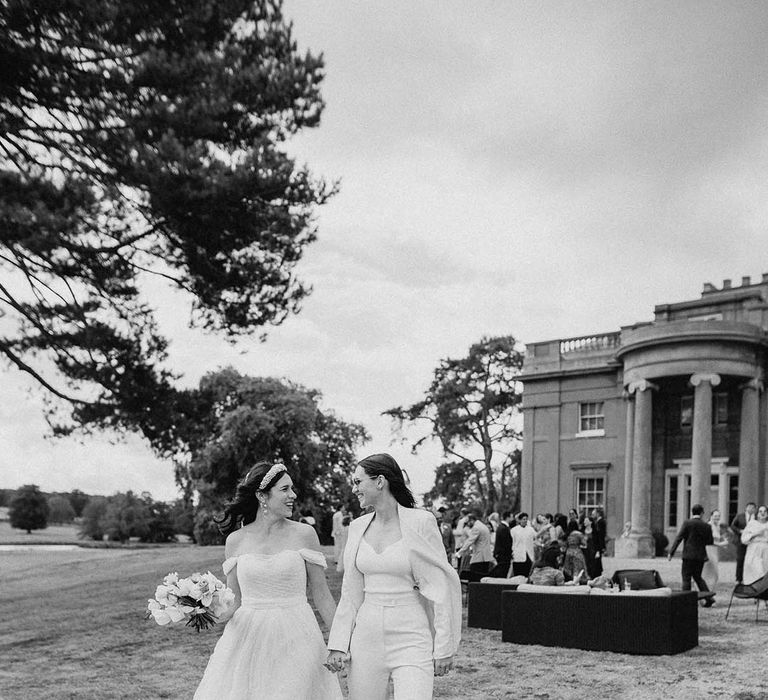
pixel 321 594
pixel 231 571
pixel 318 584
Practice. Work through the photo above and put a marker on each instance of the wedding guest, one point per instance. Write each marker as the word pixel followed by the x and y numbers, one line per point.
pixel 446 532
pixel 272 646
pixel 594 564
pixel 477 545
pixel 573 521
pixel 493 525
pixel 460 533
pixel 560 523
pixel 545 533
pixel 502 548
pixel 711 571
pixel 697 535
pixel 336 518
pixel 399 616
pixel 546 571
pixel 345 521
pixel 523 536
pixel 755 537
pixel 599 539
pixel 574 564
pixel 737 527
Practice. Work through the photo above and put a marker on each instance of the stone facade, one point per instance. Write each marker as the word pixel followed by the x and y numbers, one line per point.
pixel 655 417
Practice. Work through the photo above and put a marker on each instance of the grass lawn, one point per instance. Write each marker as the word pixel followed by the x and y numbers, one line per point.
pixel 53 534
pixel 73 627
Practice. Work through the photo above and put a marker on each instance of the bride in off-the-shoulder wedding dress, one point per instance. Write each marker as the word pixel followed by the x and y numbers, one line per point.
pixel 272 648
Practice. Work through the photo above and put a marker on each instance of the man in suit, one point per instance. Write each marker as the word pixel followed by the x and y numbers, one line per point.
pixel 737 527
pixel 502 547
pixel 599 537
pixel 697 535
pixel 478 542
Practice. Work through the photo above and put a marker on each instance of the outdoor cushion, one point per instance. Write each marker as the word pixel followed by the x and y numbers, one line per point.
pixel 505 581
pixel 494 579
pixel 655 592
pixel 566 590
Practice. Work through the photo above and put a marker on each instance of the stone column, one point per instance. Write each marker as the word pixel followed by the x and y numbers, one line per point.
pixel 749 443
pixel 640 539
pixel 628 448
pixel 701 451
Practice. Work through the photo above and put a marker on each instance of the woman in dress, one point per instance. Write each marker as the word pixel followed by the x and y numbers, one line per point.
pixel 574 564
pixel 272 646
pixel 400 610
pixel 546 571
pixel 711 573
pixel 755 536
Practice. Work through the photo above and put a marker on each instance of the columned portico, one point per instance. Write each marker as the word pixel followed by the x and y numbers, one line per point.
pixel 640 541
pixel 628 456
pixel 701 451
pixel 648 421
pixel 749 442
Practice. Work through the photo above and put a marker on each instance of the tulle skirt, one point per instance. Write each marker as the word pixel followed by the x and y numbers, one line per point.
pixel 275 653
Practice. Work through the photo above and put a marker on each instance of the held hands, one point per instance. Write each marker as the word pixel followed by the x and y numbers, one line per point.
pixel 336 661
pixel 442 666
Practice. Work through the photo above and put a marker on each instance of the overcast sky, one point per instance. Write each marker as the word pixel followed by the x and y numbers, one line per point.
pixel 540 169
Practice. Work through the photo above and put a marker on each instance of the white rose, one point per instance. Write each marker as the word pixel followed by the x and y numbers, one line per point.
pixel 185 587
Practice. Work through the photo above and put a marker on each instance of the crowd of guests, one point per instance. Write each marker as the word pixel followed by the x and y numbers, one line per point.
pixel 554 549
pixel 547 550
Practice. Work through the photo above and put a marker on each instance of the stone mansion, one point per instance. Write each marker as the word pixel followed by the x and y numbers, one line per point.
pixel 652 418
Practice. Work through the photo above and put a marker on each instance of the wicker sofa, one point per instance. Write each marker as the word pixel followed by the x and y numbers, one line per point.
pixel 632 622
pixel 484 603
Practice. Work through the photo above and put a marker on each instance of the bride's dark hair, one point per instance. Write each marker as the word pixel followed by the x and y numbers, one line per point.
pixel 386 466
pixel 244 505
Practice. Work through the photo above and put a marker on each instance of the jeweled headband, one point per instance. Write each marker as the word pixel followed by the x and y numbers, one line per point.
pixel 273 471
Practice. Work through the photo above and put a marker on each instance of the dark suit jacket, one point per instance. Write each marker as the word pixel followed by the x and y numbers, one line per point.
pixel 599 534
pixel 697 535
pixel 738 524
pixel 502 548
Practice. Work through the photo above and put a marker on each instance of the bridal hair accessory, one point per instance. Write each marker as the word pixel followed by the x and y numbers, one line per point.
pixel 273 470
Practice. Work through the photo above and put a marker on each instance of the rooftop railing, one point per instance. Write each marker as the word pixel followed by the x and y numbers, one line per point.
pixel 590 343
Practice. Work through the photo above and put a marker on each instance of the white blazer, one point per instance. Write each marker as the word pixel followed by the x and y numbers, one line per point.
pixel 436 580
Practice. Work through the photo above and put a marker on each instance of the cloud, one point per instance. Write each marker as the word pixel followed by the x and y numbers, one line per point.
pixel 546 170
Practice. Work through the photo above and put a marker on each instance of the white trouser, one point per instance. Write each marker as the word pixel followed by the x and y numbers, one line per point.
pixel 392 637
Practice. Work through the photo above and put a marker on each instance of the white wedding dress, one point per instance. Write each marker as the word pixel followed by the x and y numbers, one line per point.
pixel 272 648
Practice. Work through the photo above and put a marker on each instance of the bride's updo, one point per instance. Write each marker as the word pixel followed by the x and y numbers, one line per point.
pixel 243 507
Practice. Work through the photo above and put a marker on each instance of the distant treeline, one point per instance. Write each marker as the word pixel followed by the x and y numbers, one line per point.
pixel 119 517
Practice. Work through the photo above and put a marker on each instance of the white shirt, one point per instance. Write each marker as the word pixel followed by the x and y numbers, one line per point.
pixel 522 542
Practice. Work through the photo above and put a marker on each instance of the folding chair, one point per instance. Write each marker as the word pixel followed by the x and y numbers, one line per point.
pixel 757 591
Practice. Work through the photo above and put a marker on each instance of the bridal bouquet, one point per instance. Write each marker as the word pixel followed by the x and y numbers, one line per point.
pixel 199 599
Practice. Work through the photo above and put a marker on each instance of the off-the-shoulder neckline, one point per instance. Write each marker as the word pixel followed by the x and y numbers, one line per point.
pixel 282 551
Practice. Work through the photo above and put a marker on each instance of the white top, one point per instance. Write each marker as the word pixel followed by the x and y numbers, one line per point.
pixel 387 572
pixel 522 542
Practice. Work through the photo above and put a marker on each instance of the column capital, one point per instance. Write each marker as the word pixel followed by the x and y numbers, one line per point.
pixel 641 385
pixel 754 383
pixel 698 378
